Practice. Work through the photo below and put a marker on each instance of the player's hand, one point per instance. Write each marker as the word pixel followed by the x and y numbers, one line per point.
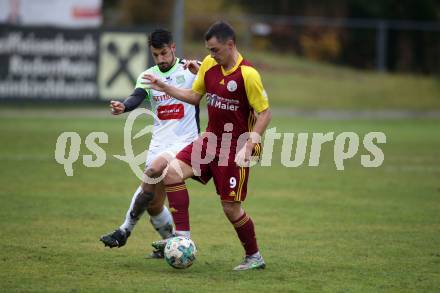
pixel 117 107
pixel 192 65
pixel 243 156
pixel 153 82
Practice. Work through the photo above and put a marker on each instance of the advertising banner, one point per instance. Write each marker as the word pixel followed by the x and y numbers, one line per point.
pixel 55 63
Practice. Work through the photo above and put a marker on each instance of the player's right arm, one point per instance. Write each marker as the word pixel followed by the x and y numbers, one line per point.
pixel 134 100
pixel 186 95
pixel 130 103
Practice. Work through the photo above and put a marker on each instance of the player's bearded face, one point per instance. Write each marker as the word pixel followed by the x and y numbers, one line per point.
pixel 164 57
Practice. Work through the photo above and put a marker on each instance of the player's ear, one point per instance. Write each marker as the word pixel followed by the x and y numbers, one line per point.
pixel 173 47
pixel 230 44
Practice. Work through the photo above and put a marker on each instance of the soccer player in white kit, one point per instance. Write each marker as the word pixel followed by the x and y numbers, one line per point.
pixel 176 126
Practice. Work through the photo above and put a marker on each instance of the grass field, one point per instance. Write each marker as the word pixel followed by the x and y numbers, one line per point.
pixel 358 230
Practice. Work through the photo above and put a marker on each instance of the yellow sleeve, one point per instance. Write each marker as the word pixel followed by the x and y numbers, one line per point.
pixel 255 92
pixel 199 83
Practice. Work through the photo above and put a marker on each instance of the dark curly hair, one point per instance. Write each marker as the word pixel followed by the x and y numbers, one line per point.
pixel 160 38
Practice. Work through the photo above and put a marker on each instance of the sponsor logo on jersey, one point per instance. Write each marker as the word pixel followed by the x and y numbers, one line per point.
pixel 162 98
pixel 180 79
pixel 168 112
pixel 232 193
pixel 222 103
pixel 232 86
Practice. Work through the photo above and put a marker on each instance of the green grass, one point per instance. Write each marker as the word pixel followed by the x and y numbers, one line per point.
pixel 295 82
pixel 358 230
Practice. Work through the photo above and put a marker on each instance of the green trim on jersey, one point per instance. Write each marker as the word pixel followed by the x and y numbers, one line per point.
pixel 166 73
pixel 155 70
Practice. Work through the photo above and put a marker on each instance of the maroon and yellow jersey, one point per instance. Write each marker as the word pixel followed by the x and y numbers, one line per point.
pixel 232 95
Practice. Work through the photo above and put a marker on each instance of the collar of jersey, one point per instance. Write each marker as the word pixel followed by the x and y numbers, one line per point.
pixel 171 70
pixel 227 72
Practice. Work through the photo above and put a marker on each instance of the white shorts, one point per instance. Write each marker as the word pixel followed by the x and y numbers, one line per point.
pixel 157 150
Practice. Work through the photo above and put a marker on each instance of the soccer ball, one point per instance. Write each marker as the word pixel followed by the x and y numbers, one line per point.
pixel 180 252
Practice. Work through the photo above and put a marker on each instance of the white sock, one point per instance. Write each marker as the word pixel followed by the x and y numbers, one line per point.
pixel 163 223
pixel 256 255
pixel 129 222
pixel 186 234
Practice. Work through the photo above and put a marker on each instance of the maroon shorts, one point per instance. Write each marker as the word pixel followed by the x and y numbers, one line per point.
pixel 230 180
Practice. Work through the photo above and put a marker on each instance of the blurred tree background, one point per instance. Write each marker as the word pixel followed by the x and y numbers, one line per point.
pixel 264 25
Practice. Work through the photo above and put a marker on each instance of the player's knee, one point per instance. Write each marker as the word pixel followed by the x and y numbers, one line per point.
pixel 231 210
pixel 153 172
pixel 228 210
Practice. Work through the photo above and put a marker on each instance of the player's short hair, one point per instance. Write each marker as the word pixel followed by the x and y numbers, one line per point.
pixel 223 31
pixel 160 38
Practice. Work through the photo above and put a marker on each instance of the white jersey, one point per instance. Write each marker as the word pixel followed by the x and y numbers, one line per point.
pixel 177 122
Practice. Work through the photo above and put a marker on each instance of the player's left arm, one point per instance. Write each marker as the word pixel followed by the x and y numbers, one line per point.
pixel 259 102
pixel 257 98
pixel 263 120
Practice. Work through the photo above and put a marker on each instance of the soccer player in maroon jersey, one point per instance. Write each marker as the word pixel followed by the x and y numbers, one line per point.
pixel 237 105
